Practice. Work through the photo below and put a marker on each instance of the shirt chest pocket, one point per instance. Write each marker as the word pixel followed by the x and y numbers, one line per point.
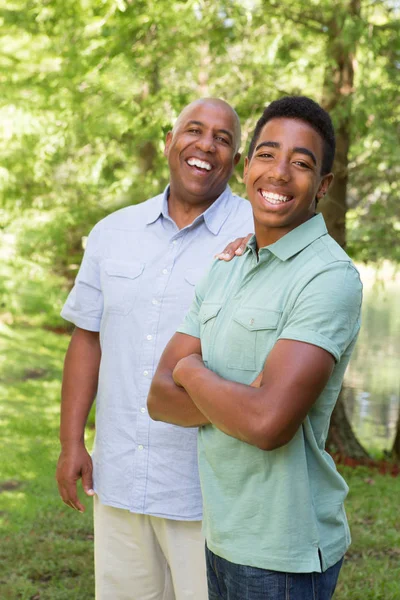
pixel 207 316
pixel 252 335
pixel 121 285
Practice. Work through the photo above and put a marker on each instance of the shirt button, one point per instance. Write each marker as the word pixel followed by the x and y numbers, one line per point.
pixel 149 337
pixel 154 301
pixel 165 271
pixel 145 373
pixel 251 321
pixel 174 242
pixel 143 410
pixel 140 447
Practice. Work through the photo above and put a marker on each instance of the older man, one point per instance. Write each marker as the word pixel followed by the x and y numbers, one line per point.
pixel 134 286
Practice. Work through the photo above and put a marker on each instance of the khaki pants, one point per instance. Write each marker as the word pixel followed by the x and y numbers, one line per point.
pixel 139 557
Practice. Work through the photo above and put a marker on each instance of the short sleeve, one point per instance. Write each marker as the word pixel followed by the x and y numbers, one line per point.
pixel 191 323
pixel 84 305
pixel 327 311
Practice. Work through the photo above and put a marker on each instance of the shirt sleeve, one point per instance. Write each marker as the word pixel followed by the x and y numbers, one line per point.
pixel 84 305
pixel 327 311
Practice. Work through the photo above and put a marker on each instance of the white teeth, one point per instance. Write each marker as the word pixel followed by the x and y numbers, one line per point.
pixel 195 162
pixel 274 198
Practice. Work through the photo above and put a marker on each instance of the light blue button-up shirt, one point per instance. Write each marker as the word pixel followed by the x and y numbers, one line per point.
pixel 135 285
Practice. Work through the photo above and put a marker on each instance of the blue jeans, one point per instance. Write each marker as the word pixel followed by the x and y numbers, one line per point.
pixel 238 582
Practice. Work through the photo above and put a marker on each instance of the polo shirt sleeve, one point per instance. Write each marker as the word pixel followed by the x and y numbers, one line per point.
pixel 326 312
pixel 191 323
pixel 84 305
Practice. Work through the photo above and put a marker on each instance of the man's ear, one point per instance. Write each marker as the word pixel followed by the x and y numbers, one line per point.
pixel 168 139
pixel 245 168
pixel 236 158
pixel 324 186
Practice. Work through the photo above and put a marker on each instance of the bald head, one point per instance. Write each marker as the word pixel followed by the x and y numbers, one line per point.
pixel 217 103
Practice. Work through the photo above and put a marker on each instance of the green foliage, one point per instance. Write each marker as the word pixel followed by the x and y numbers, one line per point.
pixel 90 89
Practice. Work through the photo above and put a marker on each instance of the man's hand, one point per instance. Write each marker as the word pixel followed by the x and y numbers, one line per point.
pixel 74 463
pixel 235 248
pixel 186 365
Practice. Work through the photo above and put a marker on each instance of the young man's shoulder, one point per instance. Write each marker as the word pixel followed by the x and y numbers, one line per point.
pixel 330 252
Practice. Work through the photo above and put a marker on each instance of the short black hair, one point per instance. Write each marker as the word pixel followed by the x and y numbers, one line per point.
pixel 303 109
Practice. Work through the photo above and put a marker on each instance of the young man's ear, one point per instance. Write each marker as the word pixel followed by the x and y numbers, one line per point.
pixel 168 139
pixel 236 158
pixel 324 185
pixel 245 168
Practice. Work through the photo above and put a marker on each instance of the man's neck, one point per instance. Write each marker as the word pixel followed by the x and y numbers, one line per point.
pixel 184 213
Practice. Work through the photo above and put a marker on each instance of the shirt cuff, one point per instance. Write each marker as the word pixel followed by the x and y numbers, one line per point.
pixel 90 324
pixel 314 338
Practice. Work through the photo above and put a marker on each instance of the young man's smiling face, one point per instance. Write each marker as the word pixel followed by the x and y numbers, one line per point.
pixel 283 177
pixel 202 151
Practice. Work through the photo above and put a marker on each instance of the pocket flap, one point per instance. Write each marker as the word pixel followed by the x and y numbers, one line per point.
pixel 129 270
pixel 208 311
pixel 255 319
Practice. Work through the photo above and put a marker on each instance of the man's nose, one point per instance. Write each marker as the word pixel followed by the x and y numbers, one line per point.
pixel 280 170
pixel 206 142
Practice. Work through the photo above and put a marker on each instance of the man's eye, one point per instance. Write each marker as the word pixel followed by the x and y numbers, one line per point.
pixel 222 139
pixel 265 155
pixel 194 130
pixel 302 164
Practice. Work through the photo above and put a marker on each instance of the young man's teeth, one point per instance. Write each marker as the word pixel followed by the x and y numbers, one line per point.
pixel 195 162
pixel 275 198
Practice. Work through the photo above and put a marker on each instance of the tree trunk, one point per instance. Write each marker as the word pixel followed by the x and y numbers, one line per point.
pixel 396 443
pixel 341 439
pixel 337 98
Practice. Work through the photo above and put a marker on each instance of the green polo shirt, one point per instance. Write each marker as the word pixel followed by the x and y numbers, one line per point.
pixel 281 509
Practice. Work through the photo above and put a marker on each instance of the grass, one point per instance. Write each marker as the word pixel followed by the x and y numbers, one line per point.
pixel 46 549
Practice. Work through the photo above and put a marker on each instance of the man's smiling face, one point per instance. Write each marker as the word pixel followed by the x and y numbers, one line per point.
pixel 283 177
pixel 202 151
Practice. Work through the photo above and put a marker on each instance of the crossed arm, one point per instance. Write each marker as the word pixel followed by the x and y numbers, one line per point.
pixel 266 414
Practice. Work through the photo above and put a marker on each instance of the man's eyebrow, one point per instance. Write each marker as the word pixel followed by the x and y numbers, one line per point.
pixel 307 152
pixel 228 133
pixel 268 145
pixel 298 149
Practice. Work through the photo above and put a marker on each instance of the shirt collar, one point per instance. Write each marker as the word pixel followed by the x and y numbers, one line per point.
pixel 296 240
pixel 214 217
pixel 158 208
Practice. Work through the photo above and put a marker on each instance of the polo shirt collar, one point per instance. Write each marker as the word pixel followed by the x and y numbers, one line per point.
pixel 296 240
pixel 214 217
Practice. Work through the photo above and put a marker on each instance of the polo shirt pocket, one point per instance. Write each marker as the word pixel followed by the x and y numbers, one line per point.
pixel 253 334
pixel 207 316
pixel 121 285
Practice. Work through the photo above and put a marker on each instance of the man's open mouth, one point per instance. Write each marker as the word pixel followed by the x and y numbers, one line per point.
pixel 273 198
pixel 199 164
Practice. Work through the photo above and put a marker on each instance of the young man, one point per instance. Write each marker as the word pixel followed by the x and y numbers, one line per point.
pixel 134 286
pixel 259 362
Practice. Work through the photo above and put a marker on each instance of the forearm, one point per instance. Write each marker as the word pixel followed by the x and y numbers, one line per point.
pixel 79 387
pixel 294 376
pixel 172 404
pixel 234 408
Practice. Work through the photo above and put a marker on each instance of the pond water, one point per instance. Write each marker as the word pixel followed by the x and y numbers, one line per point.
pixel 372 380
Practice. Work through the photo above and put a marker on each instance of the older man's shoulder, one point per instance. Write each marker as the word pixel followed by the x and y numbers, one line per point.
pixel 132 216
